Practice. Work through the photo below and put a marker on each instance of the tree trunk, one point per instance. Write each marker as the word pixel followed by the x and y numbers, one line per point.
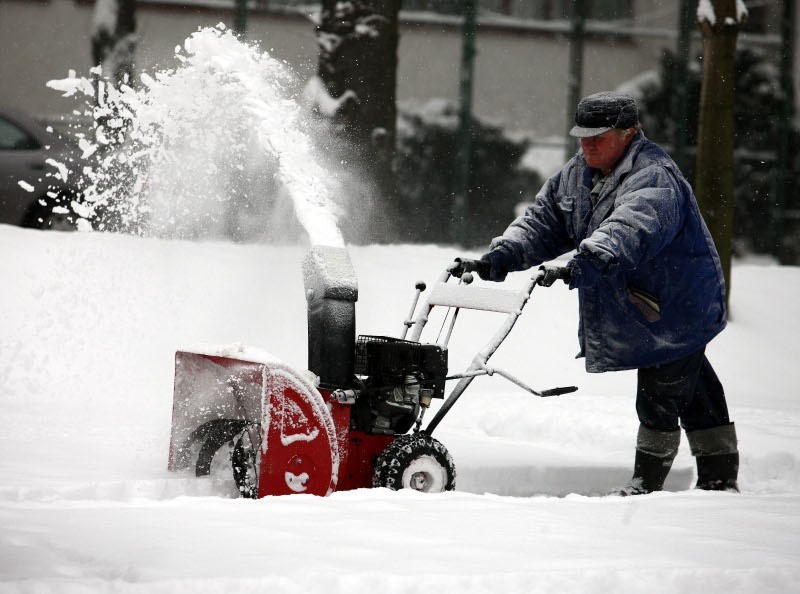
pixel 114 39
pixel 358 67
pixel 113 50
pixel 714 173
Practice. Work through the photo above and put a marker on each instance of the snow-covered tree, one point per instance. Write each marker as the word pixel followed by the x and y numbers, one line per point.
pixel 113 53
pixel 114 39
pixel 719 21
pixel 428 143
pixel 355 87
pixel 758 101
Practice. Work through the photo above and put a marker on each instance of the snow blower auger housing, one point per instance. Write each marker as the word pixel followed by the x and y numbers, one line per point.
pixel 345 422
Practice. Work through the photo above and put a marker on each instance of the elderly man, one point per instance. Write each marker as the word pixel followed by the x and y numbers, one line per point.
pixel 649 282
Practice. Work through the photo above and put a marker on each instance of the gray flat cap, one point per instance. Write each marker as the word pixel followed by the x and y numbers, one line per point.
pixel 603 111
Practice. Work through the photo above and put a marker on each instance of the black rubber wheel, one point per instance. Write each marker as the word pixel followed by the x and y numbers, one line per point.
pixel 415 461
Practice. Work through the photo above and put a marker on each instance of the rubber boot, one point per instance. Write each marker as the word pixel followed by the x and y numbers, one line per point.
pixel 718 473
pixel 717 456
pixel 655 451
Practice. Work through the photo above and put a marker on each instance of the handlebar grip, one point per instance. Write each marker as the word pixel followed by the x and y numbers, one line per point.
pixel 482 267
pixel 559 391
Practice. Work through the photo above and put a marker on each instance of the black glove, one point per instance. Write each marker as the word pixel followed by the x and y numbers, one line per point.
pixel 500 261
pixel 463 265
pixel 550 274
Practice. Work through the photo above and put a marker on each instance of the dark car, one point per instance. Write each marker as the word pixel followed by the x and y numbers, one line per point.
pixel 37 183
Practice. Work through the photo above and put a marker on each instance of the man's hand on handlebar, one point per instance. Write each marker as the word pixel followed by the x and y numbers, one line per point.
pixel 463 265
pixel 493 266
pixel 550 274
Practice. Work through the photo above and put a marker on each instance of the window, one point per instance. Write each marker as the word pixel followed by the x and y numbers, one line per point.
pixel 544 10
pixel 453 7
pixel 547 10
pixel 14 139
pixel 759 17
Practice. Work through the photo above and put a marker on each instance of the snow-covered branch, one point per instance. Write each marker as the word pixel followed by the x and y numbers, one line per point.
pixel 707 14
pixel 317 95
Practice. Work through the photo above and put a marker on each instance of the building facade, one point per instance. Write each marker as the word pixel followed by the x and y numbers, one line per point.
pixel 522 66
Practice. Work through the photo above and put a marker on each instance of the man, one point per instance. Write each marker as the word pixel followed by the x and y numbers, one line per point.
pixel 649 282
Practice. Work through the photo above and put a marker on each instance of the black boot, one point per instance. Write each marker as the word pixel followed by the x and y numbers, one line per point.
pixel 718 473
pixel 655 451
pixel 649 474
pixel 717 457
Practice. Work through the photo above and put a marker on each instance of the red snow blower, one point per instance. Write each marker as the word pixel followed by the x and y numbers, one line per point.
pixel 354 419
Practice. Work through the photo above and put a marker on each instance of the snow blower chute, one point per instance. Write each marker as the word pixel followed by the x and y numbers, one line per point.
pixel 354 418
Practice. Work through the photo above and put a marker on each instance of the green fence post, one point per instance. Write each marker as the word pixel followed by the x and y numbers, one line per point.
pixel 460 220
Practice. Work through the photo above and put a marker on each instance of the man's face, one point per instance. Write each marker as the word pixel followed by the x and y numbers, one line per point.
pixel 603 151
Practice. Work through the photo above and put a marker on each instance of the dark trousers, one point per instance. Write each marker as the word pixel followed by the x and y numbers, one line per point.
pixel 686 390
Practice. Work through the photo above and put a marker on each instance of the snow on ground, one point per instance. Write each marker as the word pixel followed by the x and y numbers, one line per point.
pixel 90 323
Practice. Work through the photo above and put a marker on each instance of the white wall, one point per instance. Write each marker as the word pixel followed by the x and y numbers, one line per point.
pixel 520 76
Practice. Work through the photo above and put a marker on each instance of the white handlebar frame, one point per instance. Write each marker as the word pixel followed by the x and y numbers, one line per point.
pixel 478 366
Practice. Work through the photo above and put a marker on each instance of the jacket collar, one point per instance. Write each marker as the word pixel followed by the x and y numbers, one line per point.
pixel 625 163
pixel 624 166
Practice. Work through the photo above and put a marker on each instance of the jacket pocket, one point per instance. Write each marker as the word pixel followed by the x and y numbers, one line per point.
pixel 646 303
pixel 567 206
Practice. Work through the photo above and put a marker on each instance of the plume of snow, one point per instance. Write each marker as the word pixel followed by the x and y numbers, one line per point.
pixel 171 157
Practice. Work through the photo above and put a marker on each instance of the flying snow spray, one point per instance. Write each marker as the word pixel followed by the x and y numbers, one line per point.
pixel 214 145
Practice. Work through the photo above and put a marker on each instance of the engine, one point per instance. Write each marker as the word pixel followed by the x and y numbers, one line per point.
pixel 387 380
pixel 397 379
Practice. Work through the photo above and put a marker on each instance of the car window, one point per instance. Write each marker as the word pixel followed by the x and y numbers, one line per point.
pixel 12 138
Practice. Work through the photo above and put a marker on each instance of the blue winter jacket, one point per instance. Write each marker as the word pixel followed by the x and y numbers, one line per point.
pixel 649 277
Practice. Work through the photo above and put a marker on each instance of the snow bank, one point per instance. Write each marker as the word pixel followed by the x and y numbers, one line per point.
pixel 90 326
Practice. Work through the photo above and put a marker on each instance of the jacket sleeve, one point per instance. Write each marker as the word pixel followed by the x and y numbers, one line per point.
pixel 646 218
pixel 538 235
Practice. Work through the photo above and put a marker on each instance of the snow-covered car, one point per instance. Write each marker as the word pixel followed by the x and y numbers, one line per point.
pixel 36 187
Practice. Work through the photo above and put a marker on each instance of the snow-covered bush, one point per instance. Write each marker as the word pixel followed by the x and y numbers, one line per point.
pixel 427 173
